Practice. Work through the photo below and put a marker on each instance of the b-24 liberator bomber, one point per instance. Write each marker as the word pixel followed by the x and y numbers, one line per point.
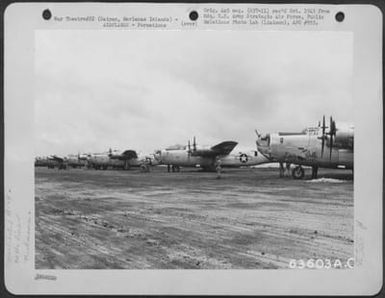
pixel 62 162
pixel 116 159
pixel 45 161
pixel 207 158
pixel 318 147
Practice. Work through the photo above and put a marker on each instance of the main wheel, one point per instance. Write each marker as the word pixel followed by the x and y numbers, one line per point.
pixel 298 172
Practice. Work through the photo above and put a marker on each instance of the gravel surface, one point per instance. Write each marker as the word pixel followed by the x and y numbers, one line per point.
pixel 248 219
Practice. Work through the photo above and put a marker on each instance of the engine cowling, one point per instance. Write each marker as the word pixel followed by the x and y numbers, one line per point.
pixel 344 137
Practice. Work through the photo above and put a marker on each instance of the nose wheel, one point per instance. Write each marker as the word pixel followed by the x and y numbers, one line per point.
pixel 298 172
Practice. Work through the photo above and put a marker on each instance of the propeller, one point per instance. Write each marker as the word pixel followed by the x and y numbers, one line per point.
pixel 194 145
pixel 258 137
pixel 189 146
pixel 323 136
pixel 332 134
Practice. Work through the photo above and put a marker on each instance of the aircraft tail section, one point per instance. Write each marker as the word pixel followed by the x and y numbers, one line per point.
pixel 224 148
pixel 126 155
pixel 130 154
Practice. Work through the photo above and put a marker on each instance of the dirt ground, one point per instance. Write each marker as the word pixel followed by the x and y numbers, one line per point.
pixel 249 219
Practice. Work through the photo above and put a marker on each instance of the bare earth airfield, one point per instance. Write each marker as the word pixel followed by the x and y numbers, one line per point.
pixel 248 219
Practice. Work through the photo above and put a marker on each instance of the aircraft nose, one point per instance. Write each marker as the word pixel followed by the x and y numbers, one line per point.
pixel 263 146
pixel 158 155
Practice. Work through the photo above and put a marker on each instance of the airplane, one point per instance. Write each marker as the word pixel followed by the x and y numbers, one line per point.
pixel 113 158
pixel 44 162
pixel 57 161
pixel 318 147
pixel 77 160
pixel 121 160
pixel 62 162
pixel 207 158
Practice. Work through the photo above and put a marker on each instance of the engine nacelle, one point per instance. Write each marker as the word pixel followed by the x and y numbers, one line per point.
pixel 344 137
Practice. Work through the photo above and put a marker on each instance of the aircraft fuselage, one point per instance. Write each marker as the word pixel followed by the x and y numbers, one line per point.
pixel 306 149
pixel 183 158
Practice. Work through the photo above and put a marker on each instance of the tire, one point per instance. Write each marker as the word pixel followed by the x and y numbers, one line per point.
pixel 298 172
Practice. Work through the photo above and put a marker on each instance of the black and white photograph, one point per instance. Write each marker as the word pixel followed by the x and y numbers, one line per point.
pixel 159 149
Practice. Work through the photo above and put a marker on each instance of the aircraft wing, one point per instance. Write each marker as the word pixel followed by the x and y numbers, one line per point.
pixel 223 148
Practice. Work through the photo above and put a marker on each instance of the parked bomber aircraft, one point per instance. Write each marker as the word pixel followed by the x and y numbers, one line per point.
pixel 57 161
pixel 322 146
pixel 45 162
pixel 120 160
pixel 62 162
pixel 76 160
pixel 207 158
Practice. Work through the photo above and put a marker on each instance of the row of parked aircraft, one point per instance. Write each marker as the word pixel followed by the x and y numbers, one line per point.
pixel 323 146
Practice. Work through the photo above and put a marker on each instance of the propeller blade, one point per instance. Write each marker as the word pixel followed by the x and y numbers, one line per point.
pixel 323 136
pixel 194 145
pixel 331 146
pixel 323 125
pixel 332 132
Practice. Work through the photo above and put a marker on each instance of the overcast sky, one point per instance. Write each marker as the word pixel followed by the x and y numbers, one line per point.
pixel 146 90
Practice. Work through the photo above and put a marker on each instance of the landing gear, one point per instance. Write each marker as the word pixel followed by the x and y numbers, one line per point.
pixel 284 170
pixel 314 172
pixel 175 168
pixel 172 168
pixel 281 170
pixel 298 172
pixel 288 168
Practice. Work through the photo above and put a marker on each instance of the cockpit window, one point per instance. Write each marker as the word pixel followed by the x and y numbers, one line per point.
pixel 255 153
